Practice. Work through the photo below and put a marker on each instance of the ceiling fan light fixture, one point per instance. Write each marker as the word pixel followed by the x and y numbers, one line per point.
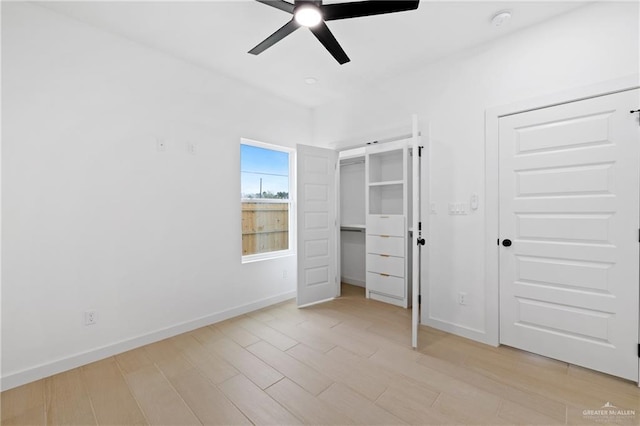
pixel 308 15
pixel 313 14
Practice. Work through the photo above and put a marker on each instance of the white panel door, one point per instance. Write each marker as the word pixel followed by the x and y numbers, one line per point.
pixel 569 194
pixel 317 231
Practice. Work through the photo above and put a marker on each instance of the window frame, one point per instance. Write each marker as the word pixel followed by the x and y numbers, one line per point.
pixel 291 251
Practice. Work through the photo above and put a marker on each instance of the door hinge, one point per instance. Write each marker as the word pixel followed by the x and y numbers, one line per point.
pixel 420 303
pixel 420 241
pixel 638 350
pixel 420 151
pixel 498 241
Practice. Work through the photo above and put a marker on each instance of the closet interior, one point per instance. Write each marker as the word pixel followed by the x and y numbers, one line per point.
pixel 375 217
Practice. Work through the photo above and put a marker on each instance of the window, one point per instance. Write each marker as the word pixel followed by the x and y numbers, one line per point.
pixel 266 182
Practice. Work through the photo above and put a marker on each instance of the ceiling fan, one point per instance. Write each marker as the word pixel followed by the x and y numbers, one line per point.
pixel 313 15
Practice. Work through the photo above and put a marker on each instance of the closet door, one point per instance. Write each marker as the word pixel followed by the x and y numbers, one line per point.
pixel 569 185
pixel 317 229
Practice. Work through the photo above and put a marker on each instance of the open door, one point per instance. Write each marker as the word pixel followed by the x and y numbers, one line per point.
pixel 416 225
pixel 317 219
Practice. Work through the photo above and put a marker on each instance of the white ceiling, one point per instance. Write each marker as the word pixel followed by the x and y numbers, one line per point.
pixel 217 35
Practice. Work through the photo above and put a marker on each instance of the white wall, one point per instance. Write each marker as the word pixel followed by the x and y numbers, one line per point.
pixel 94 217
pixel 592 44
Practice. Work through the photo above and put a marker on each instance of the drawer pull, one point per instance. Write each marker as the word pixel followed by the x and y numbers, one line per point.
pixel 384 255
pixel 384 217
pixel 384 275
pixel 384 236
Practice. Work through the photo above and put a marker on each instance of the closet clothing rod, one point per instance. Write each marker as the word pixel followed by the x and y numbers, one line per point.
pixel 351 230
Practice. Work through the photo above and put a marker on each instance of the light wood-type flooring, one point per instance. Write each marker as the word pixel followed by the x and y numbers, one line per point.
pixel 347 361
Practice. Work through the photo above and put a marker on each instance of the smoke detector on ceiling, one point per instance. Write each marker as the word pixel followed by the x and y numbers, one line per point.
pixel 501 18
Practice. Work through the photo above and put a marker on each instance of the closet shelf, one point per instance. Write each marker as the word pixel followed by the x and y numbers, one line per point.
pixel 386 183
pixel 352 227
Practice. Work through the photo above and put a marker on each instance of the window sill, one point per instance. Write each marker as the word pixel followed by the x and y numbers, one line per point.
pixel 267 256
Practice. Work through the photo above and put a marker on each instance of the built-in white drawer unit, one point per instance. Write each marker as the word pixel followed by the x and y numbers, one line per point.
pixel 385 264
pixel 387 171
pixel 392 225
pixel 392 246
pixel 385 284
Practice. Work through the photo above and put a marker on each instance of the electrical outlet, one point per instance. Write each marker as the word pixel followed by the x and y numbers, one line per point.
pixel 191 148
pixel 462 298
pixel 90 317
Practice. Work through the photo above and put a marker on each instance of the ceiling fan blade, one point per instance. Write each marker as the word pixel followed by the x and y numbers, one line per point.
pixel 278 4
pixel 357 9
pixel 281 33
pixel 322 33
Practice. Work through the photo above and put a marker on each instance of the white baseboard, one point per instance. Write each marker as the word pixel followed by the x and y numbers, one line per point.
pixel 353 281
pixel 60 365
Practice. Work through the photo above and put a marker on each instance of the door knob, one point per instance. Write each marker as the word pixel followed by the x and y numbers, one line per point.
pixel 506 242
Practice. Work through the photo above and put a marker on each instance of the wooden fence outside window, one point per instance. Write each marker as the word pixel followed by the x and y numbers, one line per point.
pixel 265 227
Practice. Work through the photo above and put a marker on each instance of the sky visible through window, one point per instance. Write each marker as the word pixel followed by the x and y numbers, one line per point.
pixel 265 169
